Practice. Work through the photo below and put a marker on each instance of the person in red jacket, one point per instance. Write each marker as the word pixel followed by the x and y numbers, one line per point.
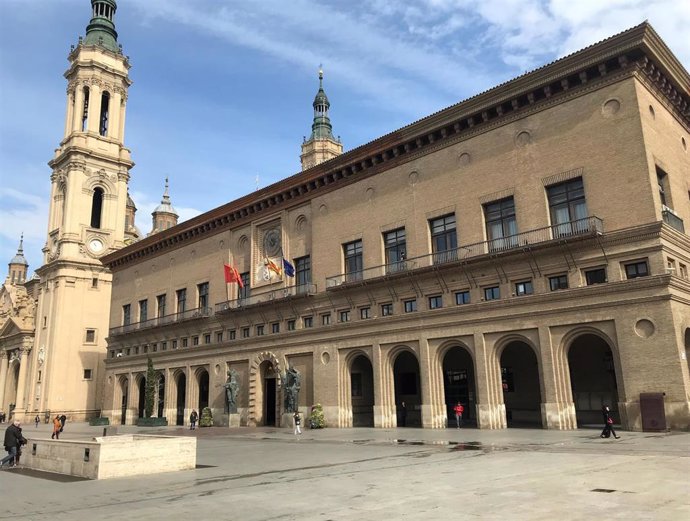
pixel 458 409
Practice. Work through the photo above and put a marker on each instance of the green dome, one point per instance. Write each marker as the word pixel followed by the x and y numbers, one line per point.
pixel 101 28
pixel 321 128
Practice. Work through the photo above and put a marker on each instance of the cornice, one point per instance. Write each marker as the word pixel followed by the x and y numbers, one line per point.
pixel 634 51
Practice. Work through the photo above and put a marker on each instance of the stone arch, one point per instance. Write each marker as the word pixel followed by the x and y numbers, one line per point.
pixel 593 372
pixel 357 395
pixel 121 397
pixel 179 395
pixel 457 364
pixel 202 379
pixel 140 381
pixel 11 386
pixel 403 363
pixel 160 395
pixel 256 384
pixel 520 377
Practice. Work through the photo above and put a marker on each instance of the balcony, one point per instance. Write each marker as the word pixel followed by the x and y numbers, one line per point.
pixel 673 220
pixel 581 228
pixel 303 290
pixel 190 314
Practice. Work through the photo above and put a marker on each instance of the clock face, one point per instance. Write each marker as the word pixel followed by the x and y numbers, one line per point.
pixel 95 245
pixel 272 246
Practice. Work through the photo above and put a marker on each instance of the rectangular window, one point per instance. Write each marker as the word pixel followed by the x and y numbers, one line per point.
pixel 492 293
pixel 291 325
pixel 352 252
pixel 435 302
pixel 245 332
pixel 386 309
pixel 558 282
pixel 174 344
pixel 164 346
pixel 326 319
pixel 260 330
pixel 595 276
pixel 143 310
pixel 154 347
pixel 524 288
pixel 303 272
pixel 232 334
pixel 567 207
pixel 462 297
pixel 87 374
pixel 185 342
pixel 90 336
pixel 126 315
pixel 207 338
pixel 275 327
pixel 203 295
pixel 345 315
pixel 181 300
pixel 94 282
pixel 244 291
pixel 636 269
pixel 195 340
pixel 501 225
pixel 160 304
pixel 395 246
pixel 219 337
pixel 356 385
pixel 410 305
pixel 365 313
pixel 444 239
pixel 307 321
pixel 683 270
pixel 45 319
pixel 662 183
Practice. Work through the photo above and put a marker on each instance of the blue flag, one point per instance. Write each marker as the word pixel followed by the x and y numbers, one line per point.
pixel 289 268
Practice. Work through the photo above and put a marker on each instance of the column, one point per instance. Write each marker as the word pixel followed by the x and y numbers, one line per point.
pixel 23 369
pixel 433 415
pixel 123 106
pixel 114 114
pixel 189 395
pixel 129 414
pixel 3 378
pixel 69 111
pixel 557 407
pixel 384 409
pixel 78 111
pixel 491 411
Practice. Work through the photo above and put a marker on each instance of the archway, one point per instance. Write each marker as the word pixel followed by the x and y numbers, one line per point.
pixel 124 390
pixel 459 384
pixel 181 382
pixel 408 392
pixel 11 389
pixel 268 405
pixel 161 396
pixel 202 381
pixel 521 387
pixel 142 397
pixel 362 392
pixel 592 378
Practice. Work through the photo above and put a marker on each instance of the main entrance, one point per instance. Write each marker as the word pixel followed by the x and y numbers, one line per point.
pixel 270 401
pixel 124 388
pixel 458 384
pixel 179 402
pixel 521 388
pixel 362 392
pixel 408 392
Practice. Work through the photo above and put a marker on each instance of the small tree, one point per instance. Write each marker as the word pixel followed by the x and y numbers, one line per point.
pixel 150 388
pixel 206 419
pixel 316 419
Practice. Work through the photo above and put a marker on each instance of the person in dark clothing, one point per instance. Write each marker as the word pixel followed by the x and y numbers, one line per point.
pixel 63 420
pixel 608 423
pixel 403 414
pixel 37 420
pixel 13 442
pixel 192 419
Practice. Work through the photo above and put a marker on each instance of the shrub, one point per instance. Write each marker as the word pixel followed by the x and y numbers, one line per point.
pixel 206 419
pixel 316 418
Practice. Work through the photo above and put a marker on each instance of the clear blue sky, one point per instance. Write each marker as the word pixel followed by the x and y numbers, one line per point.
pixel 223 88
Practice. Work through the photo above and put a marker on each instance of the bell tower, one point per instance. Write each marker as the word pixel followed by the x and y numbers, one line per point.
pixel 87 214
pixel 321 145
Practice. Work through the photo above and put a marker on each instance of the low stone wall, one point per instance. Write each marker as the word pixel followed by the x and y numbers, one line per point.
pixel 112 456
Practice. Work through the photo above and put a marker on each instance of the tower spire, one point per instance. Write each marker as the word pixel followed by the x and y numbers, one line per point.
pixel 164 216
pixel 18 265
pixel 101 28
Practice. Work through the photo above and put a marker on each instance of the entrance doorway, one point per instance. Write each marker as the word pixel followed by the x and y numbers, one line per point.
pixel 124 388
pixel 270 401
pixel 459 384
pixel 362 392
pixel 203 390
pixel 408 392
pixel 521 388
pixel 592 378
pixel 180 399
pixel 142 397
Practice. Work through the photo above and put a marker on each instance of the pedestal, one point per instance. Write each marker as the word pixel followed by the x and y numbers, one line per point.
pixel 234 420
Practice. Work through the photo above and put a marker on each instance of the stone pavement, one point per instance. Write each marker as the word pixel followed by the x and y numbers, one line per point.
pixel 377 474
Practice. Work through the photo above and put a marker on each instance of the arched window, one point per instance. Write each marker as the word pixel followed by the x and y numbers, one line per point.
pixel 96 207
pixel 105 110
pixel 85 114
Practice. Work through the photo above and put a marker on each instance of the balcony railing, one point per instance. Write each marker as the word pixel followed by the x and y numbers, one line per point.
pixel 182 316
pixel 589 226
pixel 263 298
pixel 673 220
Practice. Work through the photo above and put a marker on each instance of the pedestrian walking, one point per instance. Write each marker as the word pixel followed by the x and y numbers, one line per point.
pixel 13 442
pixel 57 428
pixel 608 423
pixel 193 419
pixel 37 420
pixel 63 420
pixel 458 409
pixel 297 421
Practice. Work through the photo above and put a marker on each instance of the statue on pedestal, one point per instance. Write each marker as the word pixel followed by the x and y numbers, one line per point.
pixel 232 388
pixel 292 382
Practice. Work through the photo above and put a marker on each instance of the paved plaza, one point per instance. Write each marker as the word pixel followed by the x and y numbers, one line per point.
pixel 377 474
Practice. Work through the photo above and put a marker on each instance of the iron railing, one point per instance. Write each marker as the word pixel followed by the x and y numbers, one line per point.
pixel 271 296
pixel 673 220
pixel 589 226
pixel 189 314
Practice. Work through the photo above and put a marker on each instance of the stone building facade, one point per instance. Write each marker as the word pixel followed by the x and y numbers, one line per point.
pixel 524 252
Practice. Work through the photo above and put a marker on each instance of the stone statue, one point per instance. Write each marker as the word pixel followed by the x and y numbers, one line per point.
pixel 232 388
pixel 292 382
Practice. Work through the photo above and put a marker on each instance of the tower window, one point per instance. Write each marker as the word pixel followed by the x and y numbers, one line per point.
pixel 85 114
pixel 96 208
pixel 105 110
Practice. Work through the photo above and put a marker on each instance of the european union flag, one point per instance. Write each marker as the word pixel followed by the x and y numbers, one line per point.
pixel 289 268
